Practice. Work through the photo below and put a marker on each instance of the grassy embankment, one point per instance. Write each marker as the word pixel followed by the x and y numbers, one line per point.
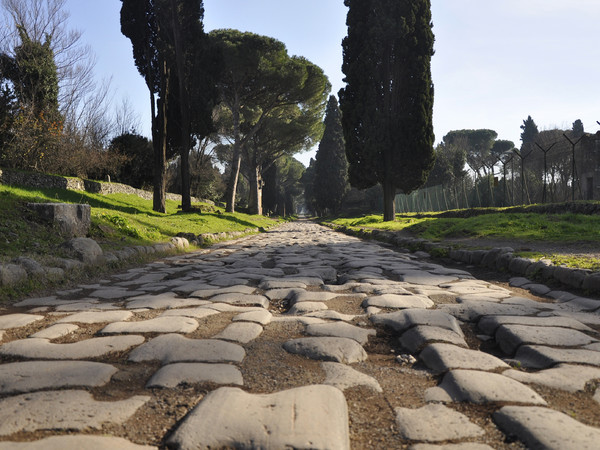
pixel 520 228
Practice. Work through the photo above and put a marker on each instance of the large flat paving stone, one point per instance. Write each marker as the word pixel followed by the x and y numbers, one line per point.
pixel 55 331
pixel 332 315
pixel 35 348
pixel 261 317
pixel 313 417
pixel 490 324
pixel 510 337
pixel 565 377
pixel 36 375
pixel 426 278
pixel 207 293
pixel 442 357
pixel 481 388
pixel 198 312
pixel 97 317
pixel 398 301
pixel 434 423
pixel 461 446
pixel 336 349
pixel 11 321
pixel 543 428
pixel 241 299
pixel 171 348
pixel 242 332
pixel 114 293
pixel 310 296
pixel 302 308
pixel 418 337
pixel 172 375
pixel 175 324
pixel 344 377
pixel 403 320
pixel 542 357
pixel 76 442
pixel 63 410
pixel 341 329
pixel 162 301
pixel 471 311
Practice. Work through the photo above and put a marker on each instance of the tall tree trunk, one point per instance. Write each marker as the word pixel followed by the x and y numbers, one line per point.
pixel 160 146
pixel 184 110
pixel 236 161
pixel 255 201
pixel 389 205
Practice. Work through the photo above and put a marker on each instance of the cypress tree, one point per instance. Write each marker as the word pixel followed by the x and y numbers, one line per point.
pixel 387 104
pixel 331 165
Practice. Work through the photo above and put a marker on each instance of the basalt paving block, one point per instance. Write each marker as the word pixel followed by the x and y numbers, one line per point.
pixel 171 348
pixel 434 423
pixel 112 293
pixel 283 293
pixel 336 349
pixel 542 357
pixel 241 299
pixel 544 428
pixel 225 307
pixel 76 442
pixel 401 321
pixel 55 331
pixel 442 357
pixel 461 446
pixel 481 388
pixel 588 318
pixel 490 324
pixel 281 284
pixel 63 410
pixel 426 278
pixel 162 301
pixel 172 375
pixel 43 301
pixel 304 320
pixel 242 332
pixel 198 312
pixel 11 321
pixel 537 289
pixel 260 317
pixel 418 337
pixel 34 348
pixel 307 417
pixel 85 306
pixel 332 315
pixel 226 281
pixel 398 301
pixel 175 324
pixel 472 311
pixel 565 377
pixel 341 329
pixel 581 304
pixel 36 375
pixel 510 337
pixel 306 308
pixel 97 317
pixel 309 296
pixel 344 377
pixel 207 293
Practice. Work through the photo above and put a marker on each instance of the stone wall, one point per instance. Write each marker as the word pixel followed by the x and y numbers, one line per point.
pixel 44 181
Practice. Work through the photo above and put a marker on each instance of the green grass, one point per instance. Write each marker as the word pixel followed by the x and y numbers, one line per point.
pixel 514 226
pixel 118 220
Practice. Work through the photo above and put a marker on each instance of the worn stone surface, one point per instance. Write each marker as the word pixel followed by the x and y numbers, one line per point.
pixel 342 350
pixel 434 423
pixel 97 317
pixel 344 377
pixel 490 324
pixel 565 377
pixel 443 357
pixel 171 348
pixel 172 375
pixel 417 337
pixel 403 320
pixel 307 308
pixel 35 375
pixel 11 321
pixel 242 332
pixel 541 357
pixel 481 388
pixel 341 329
pixel 398 301
pixel 75 442
pixel 261 317
pixel 84 249
pixel 510 337
pixel 88 348
pixel 175 324
pixel 545 428
pixel 306 417
pixel 55 331
pixel 78 411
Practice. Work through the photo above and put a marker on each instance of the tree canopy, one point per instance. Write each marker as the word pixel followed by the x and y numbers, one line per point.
pixel 387 103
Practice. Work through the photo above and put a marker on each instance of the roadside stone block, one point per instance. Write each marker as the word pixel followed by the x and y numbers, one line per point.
pixel 545 428
pixel 306 417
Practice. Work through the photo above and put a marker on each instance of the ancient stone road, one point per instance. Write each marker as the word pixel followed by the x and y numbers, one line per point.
pixel 300 338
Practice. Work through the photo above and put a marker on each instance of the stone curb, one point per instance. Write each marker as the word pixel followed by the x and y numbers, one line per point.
pixel 501 259
pixel 20 270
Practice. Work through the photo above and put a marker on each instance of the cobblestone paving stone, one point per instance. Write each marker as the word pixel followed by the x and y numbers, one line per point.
pixel 300 338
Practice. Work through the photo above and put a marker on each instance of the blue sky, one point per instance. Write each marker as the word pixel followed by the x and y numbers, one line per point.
pixel 496 62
